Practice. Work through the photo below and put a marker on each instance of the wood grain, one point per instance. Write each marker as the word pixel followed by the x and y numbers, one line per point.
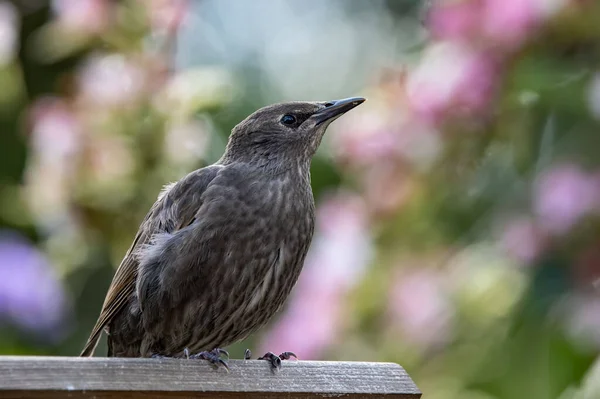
pixel 66 377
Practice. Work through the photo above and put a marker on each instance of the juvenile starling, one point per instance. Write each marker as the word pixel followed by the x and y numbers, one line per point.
pixel 220 250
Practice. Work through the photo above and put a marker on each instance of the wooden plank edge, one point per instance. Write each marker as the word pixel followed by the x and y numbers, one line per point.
pixel 73 374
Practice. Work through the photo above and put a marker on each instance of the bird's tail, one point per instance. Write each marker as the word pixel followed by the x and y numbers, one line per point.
pixel 91 344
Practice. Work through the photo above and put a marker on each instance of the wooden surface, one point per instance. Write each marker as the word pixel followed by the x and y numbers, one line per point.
pixel 67 377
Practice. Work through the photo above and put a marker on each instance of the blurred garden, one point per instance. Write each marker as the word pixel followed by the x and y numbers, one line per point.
pixel 458 209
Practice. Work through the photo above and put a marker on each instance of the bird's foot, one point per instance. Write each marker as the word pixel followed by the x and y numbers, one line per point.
pixel 213 356
pixel 276 360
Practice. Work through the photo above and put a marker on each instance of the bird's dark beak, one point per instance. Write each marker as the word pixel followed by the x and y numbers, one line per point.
pixel 335 109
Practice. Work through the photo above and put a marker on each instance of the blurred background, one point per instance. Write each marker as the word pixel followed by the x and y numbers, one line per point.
pixel 458 226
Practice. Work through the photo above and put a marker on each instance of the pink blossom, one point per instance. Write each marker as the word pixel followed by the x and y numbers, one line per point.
pixel 420 307
pixel 387 187
pixel 504 24
pixel 562 196
pixel 309 325
pixel 384 133
pixel 509 22
pixel 454 20
pixel 56 137
pixel 90 16
pixel 111 80
pixel 369 135
pixel 452 77
pixel 339 255
pixel 363 147
pixel 460 71
pixel 8 32
pixel 522 240
pixel 56 130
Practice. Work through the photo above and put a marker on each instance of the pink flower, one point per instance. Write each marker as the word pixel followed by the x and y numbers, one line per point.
pixel 452 77
pixel 382 133
pixel 339 254
pixel 56 130
pixel 454 20
pixel 387 187
pixel 420 307
pixel 523 240
pixel 90 16
pixel 56 138
pixel 8 32
pixel 509 22
pixel 371 134
pixel 503 24
pixel 308 327
pixel 111 80
pixel 562 196
pixel 363 147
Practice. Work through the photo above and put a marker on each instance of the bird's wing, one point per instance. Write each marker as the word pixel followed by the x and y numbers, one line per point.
pixel 175 208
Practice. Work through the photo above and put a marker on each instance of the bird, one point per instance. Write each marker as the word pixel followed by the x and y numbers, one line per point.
pixel 220 250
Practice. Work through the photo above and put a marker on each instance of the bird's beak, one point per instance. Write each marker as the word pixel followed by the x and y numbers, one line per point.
pixel 335 109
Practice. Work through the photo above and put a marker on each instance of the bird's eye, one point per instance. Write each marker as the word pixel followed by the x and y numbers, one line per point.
pixel 288 119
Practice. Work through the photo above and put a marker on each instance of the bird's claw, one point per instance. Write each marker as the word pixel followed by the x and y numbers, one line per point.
pixel 276 360
pixel 288 356
pixel 213 356
pixel 273 358
pixel 247 354
pixel 223 352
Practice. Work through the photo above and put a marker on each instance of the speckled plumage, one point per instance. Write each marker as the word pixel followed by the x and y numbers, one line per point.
pixel 221 249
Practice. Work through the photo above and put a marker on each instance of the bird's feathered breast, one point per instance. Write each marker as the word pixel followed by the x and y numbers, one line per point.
pixel 251 232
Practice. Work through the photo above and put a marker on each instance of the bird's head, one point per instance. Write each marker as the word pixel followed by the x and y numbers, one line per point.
pixel 284 132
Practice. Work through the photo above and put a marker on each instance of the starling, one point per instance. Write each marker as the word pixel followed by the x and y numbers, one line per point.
pixel 220 250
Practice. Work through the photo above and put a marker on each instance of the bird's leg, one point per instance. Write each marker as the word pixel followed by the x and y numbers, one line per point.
pixel 276 360
pixel 213 356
